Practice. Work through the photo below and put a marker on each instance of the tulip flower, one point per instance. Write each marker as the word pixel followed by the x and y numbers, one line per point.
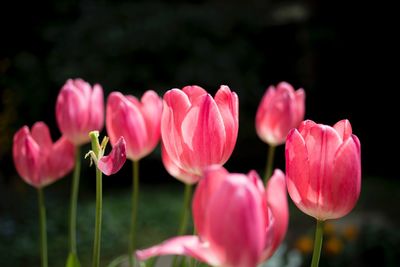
pixel 139 123
pixel 108 165
pixel 197 130
pixel 79 110
pixel 37 159
pixel 323 166
pixel 41 162
pixel 239 223
pixel 281 109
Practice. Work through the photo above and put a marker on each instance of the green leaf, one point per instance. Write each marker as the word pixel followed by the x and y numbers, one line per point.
pixel 72 260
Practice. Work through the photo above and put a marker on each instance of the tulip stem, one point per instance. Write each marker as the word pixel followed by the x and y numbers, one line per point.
pixel 270 163
pixel 97 230
pixel 74 201
pixel 42 223
pixel 135 197
pixel 185 209
pixel 184 215
pixel 317 243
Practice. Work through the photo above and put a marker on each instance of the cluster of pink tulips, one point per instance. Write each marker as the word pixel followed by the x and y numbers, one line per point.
pixel 239 219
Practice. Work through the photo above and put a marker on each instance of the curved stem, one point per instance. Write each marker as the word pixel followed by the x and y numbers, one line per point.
pixel 184 215
pixel 42 223
pixel 97 230
pixel 74 201
pixel 135 197
pixel 317 243
pixel 270 163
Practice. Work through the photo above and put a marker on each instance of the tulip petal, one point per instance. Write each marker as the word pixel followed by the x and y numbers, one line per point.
pixel 41 134
pixel 115 160
pixel 242 207
pixel 182 245
pixel 175 106
pixel 343 128
pixel 151 108
pixel 124 118
pixel 177 172
pixel 213 177
pixel 322 142
pixel 347 180
pixel 228 105
pixel 203 132
pixel 96 114
pixel 277 202
pixel 193 92
pixel 297 170
pixel 300 96
pixel 60 162
pixel 26 155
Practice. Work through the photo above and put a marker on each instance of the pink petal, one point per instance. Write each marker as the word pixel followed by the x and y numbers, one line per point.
pixel 213 177
pixel 257 181
pixel 151 108
pixel 175 106
pixel 277 202
pixel 228 105
pixel 115 160
pixel 193 92
pixel 346 185
pixel 300 96
pixel 41 134
pixel 124 118
pixel 60 161
pixel 177 172
pixel 203 133
pixel 235 221
pixel 298 172
pixel 72 114
pixel 182 245
pixel 343 128
pixel 322 142
pixel 26 155
pixel 96 110
pixel 262 126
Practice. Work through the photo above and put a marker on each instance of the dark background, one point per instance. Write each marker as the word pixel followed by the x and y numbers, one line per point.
pixel 342 54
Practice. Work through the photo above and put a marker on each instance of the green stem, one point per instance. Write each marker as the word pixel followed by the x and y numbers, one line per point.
pixel 270 163
pixel 185 215
pixel 185 209
pixel 317 243
pixel 43 231
pixel 97 230
pixel 74 201
pixel 135 197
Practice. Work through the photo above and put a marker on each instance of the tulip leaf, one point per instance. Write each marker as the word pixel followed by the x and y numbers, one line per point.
pixel 72 260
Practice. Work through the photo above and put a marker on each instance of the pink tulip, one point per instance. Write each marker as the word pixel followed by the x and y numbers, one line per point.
pixel 112 163
pixel 323 167
pixel 281 109
pixel 79 110
pixel 239 223
pixel 137 121
pixel 197 130
pixel 37 159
